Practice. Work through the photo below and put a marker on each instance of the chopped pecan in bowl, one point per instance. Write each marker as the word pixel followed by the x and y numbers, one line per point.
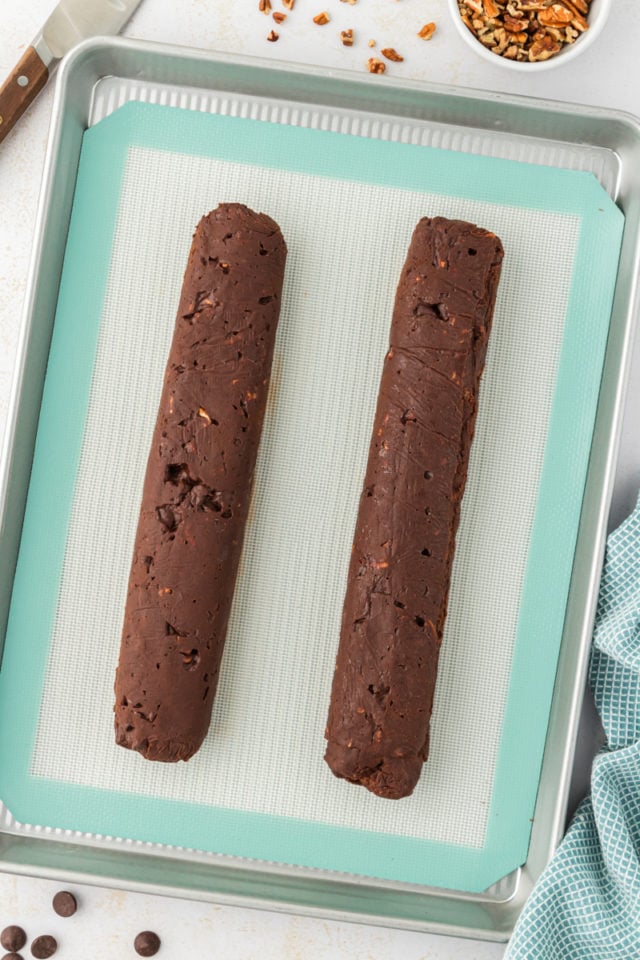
pixel 526 34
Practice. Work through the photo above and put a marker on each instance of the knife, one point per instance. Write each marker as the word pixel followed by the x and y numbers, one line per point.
pixel 70 22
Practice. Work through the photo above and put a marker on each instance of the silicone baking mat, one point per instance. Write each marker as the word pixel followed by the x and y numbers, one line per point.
pixel 347 207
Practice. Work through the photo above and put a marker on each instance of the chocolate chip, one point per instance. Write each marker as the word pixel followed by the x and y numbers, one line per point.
pixel 44 947
pixel 13 938
pixel 147 943
pixel 64 903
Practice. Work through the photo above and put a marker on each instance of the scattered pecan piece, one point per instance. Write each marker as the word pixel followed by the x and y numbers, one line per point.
pixel 426 32
pixel 264 6
pixel 279 17
pixel 372 43
pixel 322 18
pixel 273 36
pixel 347 37
pixel 375 66
pixel 391 54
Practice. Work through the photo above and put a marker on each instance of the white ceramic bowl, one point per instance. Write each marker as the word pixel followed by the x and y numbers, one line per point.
pixel 598 13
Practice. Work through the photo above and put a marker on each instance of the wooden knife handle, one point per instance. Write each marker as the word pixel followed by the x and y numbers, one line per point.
pixel 18 91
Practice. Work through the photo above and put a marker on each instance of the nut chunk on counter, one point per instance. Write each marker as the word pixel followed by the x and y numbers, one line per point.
pixel 398 584
pixel 198 483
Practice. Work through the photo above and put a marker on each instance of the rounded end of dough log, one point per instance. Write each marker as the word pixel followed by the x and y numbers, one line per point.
pixel 389 777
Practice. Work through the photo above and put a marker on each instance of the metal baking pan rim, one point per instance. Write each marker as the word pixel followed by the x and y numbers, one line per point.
pixel 291 871
pixel 264 902
pixel 347 77
pixel 627 123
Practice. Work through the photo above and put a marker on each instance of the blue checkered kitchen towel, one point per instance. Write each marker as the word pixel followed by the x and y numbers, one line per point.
pixel 586 905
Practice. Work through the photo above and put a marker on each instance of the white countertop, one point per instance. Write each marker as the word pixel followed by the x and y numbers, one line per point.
pixel 607 75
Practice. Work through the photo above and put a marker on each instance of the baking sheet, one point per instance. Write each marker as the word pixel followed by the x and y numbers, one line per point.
pixel 331 343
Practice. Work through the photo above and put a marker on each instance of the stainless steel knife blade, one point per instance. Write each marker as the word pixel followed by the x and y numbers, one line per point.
pixel 75 20
pixel 70 22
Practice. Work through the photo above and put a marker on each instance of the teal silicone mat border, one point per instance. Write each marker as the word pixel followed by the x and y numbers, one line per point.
pixel 68 382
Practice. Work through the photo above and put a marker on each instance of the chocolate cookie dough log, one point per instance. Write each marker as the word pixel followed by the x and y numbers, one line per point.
pixel 398 585
pixel 198 484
